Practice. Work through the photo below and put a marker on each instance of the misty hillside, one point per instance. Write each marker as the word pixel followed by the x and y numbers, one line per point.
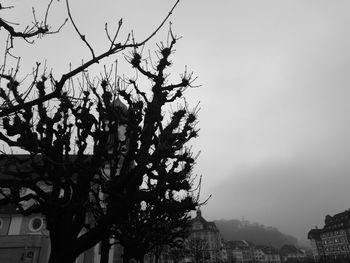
pixel 258 234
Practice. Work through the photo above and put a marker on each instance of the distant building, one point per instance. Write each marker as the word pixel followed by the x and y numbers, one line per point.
pixel 266 254
pixel 316 244
pixel 204 241
pixel 239 251
pixel 290 253
pixel 242 251
pixel 332 242
pixel 203 244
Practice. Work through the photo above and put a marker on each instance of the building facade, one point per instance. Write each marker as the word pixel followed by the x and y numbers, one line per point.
pixel 290 253
pixel 332 242
pixel 266 254
pixel 316 244
pixel 239 251
pixel 25 239
pixel 22 239
pixel 242 251
pixel 204 241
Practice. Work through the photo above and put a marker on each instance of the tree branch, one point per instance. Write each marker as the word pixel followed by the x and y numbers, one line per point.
pixel 77 30
pixel 40 30
pixel 59 85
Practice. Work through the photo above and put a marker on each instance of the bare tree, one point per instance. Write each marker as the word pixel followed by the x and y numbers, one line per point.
pixel 177 254
pixel 36 29
pixel 13 100
pixel 150 226
pixel 199 250
pixel 95 154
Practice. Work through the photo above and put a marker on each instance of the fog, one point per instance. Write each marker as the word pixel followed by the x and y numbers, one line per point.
pixel 274 119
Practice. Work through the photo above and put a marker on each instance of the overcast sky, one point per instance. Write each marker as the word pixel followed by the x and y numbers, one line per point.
pixel 275 111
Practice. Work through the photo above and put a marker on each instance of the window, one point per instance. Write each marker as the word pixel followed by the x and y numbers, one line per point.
pixel 35 224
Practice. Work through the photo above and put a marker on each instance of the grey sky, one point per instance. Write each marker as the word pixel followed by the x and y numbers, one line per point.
pixel 274 113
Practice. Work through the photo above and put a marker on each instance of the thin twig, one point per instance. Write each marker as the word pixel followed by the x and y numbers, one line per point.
pixel 161 25
pixel 47 12
pixel 120 23
pixel 59 84
pixel 77 30
pixel 106 29
pixel 58 30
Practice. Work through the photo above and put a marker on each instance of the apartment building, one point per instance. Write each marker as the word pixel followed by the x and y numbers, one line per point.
pixel 239 251
pixel 266 254
pixel 332 242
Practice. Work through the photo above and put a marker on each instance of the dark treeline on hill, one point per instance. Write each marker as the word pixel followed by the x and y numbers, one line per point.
pixel 258 234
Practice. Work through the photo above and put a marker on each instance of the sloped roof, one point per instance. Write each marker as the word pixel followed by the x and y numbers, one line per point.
pixel 268 250
pixel 117 103
pixel 239 244
pixel 338 221
pixel 8 209
pixel 290 249
pixel 12 168
pixel 211 226
pixel 314 233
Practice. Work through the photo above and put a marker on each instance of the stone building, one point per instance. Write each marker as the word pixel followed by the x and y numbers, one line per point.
pixel 332 242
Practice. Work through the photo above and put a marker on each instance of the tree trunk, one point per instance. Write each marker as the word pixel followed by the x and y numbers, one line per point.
pixel 57 256
pixel 127 255
pixel 62 246
pixel 105 250
pixel 132 253
pixel 62 238
pixel 141 259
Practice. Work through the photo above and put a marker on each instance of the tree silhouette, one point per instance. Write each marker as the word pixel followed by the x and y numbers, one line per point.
pixel 92 153
pixel 178 254
pixel 12 100
pixel 198 249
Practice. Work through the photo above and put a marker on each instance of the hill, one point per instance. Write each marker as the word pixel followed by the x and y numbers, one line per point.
pixel 258 234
